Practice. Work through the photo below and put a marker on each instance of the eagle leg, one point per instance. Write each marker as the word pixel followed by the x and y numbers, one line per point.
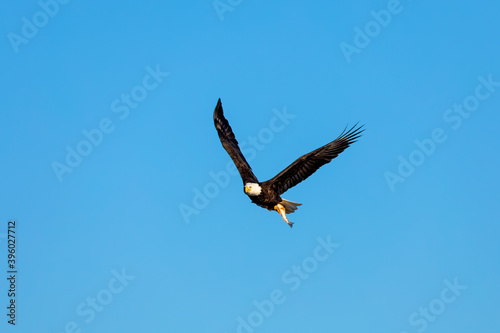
pixel 281 209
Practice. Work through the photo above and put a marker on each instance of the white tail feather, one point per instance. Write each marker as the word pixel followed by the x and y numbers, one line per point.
pixel 290 206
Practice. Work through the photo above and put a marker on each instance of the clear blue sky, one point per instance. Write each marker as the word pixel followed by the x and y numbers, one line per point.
pixel 129 221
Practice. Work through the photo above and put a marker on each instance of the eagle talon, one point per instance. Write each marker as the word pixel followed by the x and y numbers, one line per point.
pixel 281 209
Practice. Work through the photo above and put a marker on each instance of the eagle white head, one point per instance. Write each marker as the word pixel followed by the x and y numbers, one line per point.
pixel 253 189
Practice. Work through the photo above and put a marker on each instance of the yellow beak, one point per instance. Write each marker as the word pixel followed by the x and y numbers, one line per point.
pixel 247 189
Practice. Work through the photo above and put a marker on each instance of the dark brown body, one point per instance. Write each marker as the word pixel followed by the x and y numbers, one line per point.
pixel 268 198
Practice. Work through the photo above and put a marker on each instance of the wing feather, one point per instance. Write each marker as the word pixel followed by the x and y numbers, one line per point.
pixel 307 164
pixel 230 144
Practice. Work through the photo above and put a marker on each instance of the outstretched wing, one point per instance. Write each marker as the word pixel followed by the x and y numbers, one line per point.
pixel 307 164
pixel 230 144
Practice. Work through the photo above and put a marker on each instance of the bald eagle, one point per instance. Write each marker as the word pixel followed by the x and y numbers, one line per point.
pixel 267 194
